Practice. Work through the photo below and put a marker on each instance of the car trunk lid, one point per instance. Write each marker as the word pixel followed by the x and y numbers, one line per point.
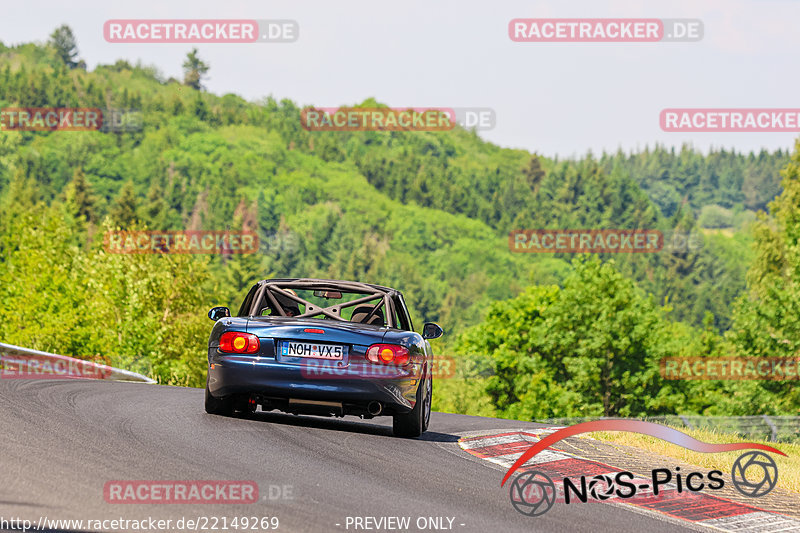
pixel 313 341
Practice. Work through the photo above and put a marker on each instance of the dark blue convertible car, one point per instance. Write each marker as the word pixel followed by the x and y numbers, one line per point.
pixel 323 347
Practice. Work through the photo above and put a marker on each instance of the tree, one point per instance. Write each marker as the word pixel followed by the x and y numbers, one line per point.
pixel 22 194
pixel 589 349
pixel 80 199
pixel 200 109
pixel 63 40
pixel 57 295
pixel 22 197
pixel 140 297
pixel 767 318
pixel 194 69
pixel 123 213
pixel 155 210
pixel 41 283
pixel 534 174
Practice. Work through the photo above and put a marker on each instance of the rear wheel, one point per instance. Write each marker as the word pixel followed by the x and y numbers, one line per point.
pixel 415 423
pixel 218 406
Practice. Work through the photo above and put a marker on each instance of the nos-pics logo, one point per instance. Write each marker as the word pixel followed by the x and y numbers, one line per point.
pixel 533 492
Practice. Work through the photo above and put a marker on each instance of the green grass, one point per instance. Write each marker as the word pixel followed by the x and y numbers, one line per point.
pixel 788 467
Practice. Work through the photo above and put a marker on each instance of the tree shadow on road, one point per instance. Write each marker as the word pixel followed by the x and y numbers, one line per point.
pixel 338 424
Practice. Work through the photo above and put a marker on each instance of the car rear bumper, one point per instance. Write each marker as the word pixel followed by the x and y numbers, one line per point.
pixel 395 388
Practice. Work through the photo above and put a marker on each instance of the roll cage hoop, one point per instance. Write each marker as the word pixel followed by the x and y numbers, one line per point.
pixel 268 290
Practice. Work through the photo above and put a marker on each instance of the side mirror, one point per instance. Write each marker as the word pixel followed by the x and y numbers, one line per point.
pixel 431 331
pixel 218 312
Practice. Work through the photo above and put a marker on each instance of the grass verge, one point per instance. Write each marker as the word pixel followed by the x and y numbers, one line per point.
pixel 788 467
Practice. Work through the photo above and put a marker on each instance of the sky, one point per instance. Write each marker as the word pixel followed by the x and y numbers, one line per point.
pixel 555 99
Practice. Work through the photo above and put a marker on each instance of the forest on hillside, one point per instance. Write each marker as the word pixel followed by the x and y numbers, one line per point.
pixel 534 335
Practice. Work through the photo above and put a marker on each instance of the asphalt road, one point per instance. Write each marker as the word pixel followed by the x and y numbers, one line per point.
pixel 63 440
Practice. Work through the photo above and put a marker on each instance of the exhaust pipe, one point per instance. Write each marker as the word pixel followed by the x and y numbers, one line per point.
pixel 374 408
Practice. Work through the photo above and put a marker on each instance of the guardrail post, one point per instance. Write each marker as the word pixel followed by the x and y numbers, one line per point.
pixel 772 428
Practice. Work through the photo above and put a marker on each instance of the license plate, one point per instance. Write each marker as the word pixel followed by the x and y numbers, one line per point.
pixel 313 350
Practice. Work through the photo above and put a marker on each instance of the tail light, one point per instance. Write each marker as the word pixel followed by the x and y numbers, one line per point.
pixel 238 342
pixel 388 354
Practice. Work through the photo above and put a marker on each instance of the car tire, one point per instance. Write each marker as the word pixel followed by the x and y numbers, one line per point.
pixel 218 406
pixel 414 423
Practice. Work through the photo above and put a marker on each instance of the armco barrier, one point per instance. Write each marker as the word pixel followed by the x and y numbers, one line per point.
pixel 23 363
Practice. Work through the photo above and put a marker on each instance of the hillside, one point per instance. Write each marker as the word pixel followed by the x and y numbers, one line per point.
pixel 426 212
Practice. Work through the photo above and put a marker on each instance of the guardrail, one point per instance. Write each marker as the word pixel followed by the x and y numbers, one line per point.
pixel 773 428
pixel 17 362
